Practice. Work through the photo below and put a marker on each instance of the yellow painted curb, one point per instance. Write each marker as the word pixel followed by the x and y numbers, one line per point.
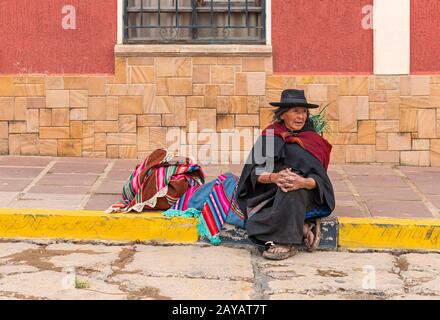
pixel 95 225
pixel 385 233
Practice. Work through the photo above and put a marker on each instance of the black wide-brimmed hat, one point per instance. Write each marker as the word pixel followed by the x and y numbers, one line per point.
pixel 293 98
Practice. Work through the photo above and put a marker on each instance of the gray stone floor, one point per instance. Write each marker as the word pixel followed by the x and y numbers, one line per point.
pixel 95 184
pixel 84 271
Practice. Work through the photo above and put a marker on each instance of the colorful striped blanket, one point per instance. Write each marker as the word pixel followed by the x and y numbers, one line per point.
pixel 214 204
pixel 158 183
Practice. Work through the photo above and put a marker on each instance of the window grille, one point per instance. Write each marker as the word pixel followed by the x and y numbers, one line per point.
pixel 195 21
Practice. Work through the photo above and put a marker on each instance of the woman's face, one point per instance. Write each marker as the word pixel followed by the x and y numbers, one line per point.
pixel 295 118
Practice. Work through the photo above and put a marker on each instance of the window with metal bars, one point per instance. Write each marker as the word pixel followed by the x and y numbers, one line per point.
pixel 195 21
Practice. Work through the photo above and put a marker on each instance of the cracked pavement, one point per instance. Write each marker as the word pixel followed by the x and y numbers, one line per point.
pixel 51 270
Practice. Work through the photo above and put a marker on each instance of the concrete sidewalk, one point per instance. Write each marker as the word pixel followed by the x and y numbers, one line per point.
pixel 365 193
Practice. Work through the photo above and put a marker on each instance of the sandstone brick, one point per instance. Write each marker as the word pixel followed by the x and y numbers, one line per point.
pixel 377 96
pixel 179 86
pixel 168 120
pixel 358 85
pixel 253 105
pixel 317 92
pixel 120 70
pixel 76 83
pixel 6 108
pixel 97 108
pixel 237 61
pixel 106 126
pixel 128 152
pixel 29 145
pixel 381 141
pixel 249 120
pixel 77 114
pixel 266 117
pixel 426 119
pixel 387 126
pixel 420 144
pixel 408 120
pixel 205 60
pixel 97 86
pixel 195 102
pixel 367 132
pixel 57 98
pixel 100 142
pixel 415 85
pixel 347 114
pixel 399 141
pixel 76 129
pixel 60 117
pixel 113 152
pixel 4 130
pixel 256 82
pixel 121 138
pixel 254 65
pixel 140 61
pixel 157 138
pixel 223 105
pixel 435 153
pixel 33 120
pixel 127 123
pixel 415 158
pixel 419 102
pixel 211 94
pixel 238 104
pixel 6 87
pixel 377 110
pixel 143 139
pixel 36 102
pixel 161 87
pixel 79 98
pixel 69 148
pixel 162 105
pixel 29 90
pixel 207 119
pixel 54 133
pixel 225 122
pixel 112 108
pixel 164 67
pixel 360 153
pixel 337 155
pixel 129 105
pixel 341 138
pixel 14 144
pixel 20 108
pixel 201 73
pixel 388 156
pixel 183 67
pixel 148 120
pixel 54 83
pixel 280 82
pixel 386 82
pixel 141 74
pixel 241 84
pixel 48 148
pixel 17 127
pixel 198 89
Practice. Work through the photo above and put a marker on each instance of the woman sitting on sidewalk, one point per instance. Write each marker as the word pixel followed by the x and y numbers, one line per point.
pixel 284 178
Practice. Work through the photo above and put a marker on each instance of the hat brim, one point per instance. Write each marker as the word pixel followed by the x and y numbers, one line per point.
pixel 296 104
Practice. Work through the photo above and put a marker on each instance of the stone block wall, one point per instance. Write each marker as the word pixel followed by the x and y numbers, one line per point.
pixel 384 119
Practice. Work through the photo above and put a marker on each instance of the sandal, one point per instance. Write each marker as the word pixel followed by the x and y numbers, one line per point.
pixel 278 255
pixel 315 229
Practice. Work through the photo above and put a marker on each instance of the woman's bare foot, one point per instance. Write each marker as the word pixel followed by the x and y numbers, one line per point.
pixel 309 236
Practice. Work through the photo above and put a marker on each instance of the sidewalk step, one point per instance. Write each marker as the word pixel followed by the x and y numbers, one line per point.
pixel 388 233
pixel 95 225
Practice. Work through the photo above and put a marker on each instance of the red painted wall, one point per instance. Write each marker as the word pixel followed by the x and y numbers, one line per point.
pixel 425 36
pixel 320 37
pixel 32 39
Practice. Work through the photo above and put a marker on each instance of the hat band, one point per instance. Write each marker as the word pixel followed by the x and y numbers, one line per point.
pixel 293 101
